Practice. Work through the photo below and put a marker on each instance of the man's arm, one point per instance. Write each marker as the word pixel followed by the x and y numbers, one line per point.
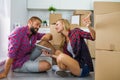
pixel 6 68
pixel 14 42
pixel 47 37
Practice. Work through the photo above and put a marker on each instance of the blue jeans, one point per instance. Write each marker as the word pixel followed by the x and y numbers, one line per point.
pixel 85 71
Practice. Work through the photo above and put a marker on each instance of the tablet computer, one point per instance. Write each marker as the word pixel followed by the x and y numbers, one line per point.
pixel 40 47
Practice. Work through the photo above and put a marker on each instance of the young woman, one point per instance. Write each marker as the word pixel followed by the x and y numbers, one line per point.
pixel 75 56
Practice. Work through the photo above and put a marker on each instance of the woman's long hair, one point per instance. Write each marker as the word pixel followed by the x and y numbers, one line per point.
pixel 67 27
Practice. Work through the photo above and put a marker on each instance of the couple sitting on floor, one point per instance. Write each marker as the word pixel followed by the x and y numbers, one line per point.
pixel 75 56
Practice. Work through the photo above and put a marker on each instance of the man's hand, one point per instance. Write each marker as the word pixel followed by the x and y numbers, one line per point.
pixel 46 53
pixel 6 68
pixel 3 75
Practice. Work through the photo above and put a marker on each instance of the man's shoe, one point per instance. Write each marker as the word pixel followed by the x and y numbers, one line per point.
pixel 55 68
pixel 62 73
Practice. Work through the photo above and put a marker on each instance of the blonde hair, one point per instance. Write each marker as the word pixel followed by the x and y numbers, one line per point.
pixel 66 24
pixel 66 27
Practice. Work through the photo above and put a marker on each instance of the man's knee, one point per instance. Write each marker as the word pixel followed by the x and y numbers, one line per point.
pixel 44 66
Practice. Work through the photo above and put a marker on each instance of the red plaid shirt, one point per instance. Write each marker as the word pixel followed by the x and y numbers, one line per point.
pixel 80 49
pixel 20 46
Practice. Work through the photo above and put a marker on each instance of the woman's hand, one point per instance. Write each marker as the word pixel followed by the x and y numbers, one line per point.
pixel 48 54
pixel 86 21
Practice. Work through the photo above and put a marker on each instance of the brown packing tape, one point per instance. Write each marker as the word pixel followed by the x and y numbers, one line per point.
pixel 107 28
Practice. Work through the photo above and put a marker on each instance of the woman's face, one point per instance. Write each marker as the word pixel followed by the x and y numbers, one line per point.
pixel 59 27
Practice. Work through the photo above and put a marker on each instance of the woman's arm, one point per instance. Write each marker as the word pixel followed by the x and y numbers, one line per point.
pixel 87 23
pixel 92 32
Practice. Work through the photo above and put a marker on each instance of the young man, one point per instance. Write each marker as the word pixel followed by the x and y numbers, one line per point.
pixel 20 49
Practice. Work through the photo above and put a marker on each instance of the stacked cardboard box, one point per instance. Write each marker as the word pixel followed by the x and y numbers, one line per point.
pixel 91 46
pixel 107 65
pixel 57 37
pixel 107 44
pixel 54 17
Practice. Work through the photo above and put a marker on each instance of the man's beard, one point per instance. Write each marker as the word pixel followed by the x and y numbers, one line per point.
pixel 32 29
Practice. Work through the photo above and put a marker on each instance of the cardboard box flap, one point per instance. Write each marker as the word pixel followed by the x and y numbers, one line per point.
pixel 107 28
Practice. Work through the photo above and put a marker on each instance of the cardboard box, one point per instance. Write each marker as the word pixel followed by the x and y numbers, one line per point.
pixel 57 37
pixel 54 17
pixel 78 12
pixel 107 28
pixel 72 26
pixel 91 46
pixel 44 29
pixel 107 65
pixel 83 14
pixel 106 7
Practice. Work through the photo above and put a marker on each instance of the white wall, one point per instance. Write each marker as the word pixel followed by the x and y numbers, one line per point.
pixel 4 26
pixel 65 7
pixel 44 14
pixel 14 11
pixel 19 13
pixel 60 4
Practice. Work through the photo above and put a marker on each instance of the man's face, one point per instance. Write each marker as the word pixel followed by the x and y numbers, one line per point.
pixel 35 25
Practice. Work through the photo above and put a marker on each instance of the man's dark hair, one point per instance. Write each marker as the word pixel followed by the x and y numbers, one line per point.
pixel 35 18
